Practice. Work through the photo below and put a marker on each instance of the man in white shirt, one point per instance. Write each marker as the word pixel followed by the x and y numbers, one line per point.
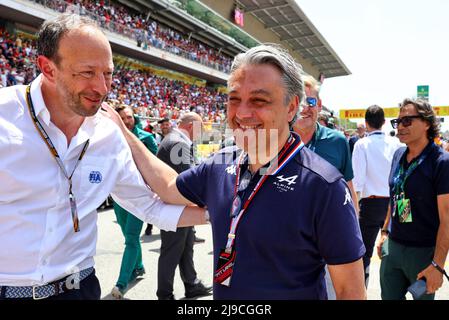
pixel 371 161
pixel 59 159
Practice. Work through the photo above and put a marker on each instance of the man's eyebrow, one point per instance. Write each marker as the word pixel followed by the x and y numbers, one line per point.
pixel 261 91
pixel 258 91
pixel 90 66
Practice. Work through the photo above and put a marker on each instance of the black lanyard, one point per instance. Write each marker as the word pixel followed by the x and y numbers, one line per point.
pixel 55 155
pixel 401 174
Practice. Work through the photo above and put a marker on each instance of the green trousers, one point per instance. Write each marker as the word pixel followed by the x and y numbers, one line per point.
pixel 400 267
pixel 132 256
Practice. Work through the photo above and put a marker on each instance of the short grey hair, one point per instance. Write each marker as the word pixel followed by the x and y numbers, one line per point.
pixel 311 82
pixel 51 32
pixel 275 55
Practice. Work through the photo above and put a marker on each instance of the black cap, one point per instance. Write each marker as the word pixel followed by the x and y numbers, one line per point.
pixel 163 120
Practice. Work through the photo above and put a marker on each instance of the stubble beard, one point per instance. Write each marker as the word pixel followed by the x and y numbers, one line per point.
pixel 73 101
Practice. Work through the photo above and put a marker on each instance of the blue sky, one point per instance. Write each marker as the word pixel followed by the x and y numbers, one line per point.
pixel 390 46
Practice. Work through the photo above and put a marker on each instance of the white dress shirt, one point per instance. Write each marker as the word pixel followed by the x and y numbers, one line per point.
pixel 371 162
pixel 37 240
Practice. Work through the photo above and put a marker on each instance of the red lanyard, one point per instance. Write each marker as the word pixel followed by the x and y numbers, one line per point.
pixel 282 160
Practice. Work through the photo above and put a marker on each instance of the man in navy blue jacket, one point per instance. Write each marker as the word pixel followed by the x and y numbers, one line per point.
pixel 278 212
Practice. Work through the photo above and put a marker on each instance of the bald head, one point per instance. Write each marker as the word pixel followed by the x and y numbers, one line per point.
pixel 190 117
pixel 361 130
pixel 192 124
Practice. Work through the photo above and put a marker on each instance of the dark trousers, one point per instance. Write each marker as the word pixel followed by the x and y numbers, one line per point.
pixel 400 267
pixel 176 249
pixel 89 289
pixel 372 216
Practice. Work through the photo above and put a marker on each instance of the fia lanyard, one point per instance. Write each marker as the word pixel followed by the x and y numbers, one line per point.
pixel 282 159
pixel 402 174
pixel 55 155
pixel 375 133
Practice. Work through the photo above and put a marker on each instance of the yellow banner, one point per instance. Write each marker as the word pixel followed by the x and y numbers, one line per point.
pixel 440 111
pixel 352 113
pixel 391 112
pixel 204 150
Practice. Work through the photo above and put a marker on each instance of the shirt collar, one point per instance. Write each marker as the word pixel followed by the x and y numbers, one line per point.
pixel 320 132
pixel 245 163
pixel 87 128
pixel 375 132
pixel 40 108
pixel 427 148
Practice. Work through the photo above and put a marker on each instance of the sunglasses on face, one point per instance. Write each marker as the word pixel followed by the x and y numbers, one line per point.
pixel 311 102
pixel 406 121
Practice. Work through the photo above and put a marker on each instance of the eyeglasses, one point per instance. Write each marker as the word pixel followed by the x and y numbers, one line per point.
pixel 406 121
pixel 311 102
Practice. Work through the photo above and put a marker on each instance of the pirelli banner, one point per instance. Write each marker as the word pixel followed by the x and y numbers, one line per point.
pixel 440 111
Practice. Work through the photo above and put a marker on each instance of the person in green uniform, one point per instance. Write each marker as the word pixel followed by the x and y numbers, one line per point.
pixel 132 266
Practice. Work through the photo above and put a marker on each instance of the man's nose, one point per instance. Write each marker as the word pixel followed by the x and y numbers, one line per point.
pixel 244 110
pixel 101 84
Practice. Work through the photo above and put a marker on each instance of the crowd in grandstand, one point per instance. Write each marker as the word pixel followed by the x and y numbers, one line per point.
pixel 118 18
pixel 16 60
pixel 152 96
pixel 159 97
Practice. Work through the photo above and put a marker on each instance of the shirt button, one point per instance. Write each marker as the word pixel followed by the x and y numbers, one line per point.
pixel 50 230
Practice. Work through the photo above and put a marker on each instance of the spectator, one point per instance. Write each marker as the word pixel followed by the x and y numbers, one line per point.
pixel 361 132
pixel 131 266
pixel 176 150
pixel 327 143
pixel 371 161
pixel 415 234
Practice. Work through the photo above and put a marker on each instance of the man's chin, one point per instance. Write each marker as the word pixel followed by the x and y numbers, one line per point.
pixel 88 111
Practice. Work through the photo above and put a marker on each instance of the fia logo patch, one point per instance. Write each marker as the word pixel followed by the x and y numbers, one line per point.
pixel 95 177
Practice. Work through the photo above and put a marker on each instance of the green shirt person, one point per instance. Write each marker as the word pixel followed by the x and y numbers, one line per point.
pixel 132 265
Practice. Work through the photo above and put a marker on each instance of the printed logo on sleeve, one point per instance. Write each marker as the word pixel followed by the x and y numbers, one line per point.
pixel 232 169
pixel 348 197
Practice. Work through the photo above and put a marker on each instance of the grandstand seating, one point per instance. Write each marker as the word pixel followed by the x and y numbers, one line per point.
pixel 151 95
pixel 146 32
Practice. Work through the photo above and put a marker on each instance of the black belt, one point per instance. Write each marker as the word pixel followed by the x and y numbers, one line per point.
pixel 48 290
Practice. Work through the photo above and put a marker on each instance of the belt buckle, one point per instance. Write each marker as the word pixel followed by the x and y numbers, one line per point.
pixel 35 297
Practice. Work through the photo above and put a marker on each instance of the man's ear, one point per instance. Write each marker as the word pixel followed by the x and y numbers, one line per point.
pixel 47 67
pixel 293 107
